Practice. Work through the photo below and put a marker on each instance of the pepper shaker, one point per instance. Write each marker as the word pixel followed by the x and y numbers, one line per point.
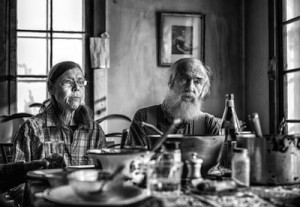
pixel 194 167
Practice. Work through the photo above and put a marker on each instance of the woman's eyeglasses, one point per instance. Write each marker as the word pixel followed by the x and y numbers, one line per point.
pixel 71 83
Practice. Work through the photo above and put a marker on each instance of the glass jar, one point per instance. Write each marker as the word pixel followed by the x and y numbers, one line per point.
pixel 171 151
pixel 240 166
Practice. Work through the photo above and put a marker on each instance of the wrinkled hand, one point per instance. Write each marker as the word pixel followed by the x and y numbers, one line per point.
pixel 35 165
pixel 55 161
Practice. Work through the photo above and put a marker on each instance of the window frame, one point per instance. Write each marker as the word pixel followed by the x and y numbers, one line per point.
pixel 276 51
pixel 11 75
pixel 49 36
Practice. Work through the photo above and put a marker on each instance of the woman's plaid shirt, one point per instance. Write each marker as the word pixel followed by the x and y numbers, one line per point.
pixel 28 142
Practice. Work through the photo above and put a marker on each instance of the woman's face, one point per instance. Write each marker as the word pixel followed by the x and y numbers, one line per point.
pixel 68 89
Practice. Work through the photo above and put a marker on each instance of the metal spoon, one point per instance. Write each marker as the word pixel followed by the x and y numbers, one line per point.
pixel 110 177
pixel 152 127
pixel 165 135
pixel 282 125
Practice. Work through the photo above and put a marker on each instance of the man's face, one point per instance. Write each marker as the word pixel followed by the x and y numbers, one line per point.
pixel 68 89
pixel 188 84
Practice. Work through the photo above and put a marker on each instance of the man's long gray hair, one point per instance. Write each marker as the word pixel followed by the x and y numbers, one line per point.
pixel 173 103
pixel 193 63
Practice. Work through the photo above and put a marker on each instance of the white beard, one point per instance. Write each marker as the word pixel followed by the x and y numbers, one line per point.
pixel 178 108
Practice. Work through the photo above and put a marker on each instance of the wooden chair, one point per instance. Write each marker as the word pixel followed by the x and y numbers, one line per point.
pixel 6 153
pixel 116 135
pixel 10 124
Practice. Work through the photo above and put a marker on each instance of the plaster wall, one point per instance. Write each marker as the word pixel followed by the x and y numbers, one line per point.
pixel 134 79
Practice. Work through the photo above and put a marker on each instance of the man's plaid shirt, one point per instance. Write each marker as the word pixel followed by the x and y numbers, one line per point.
pixel 28 142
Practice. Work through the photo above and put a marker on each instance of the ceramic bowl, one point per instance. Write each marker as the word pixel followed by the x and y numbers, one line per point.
pixel 86 183
pixel 208 148
pixel 108 158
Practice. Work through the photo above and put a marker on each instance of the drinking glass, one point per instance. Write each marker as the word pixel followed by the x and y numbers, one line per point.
pixel 164 179
pixel 54 153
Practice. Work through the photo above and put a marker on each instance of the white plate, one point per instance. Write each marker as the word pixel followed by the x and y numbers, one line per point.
pixel 79 167
pixel 42 174
pixel 65 195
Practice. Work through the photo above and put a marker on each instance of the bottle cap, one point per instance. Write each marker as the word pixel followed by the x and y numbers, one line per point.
pixel 193 159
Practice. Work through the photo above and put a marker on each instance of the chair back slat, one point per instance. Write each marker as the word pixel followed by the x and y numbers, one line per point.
pixel 6 153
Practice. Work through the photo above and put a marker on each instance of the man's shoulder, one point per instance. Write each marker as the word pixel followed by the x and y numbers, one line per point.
pixel 209 118
pixel 143 113
pixel 148 108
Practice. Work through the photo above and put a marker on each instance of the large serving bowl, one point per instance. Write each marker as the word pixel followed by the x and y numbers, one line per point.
pixel 208 148
pixel 109 159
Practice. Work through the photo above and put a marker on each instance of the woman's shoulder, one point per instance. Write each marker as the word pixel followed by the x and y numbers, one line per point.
pixel 37 120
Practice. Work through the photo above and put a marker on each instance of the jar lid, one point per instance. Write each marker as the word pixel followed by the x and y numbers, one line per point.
pixel 172 145
pixel 240 150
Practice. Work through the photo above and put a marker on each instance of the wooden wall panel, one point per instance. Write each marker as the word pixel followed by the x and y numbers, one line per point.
pixel 7 56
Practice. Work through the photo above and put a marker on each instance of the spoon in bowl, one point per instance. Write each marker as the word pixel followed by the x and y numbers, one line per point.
pixel 152 127
pixel 109 178
pixel 158 144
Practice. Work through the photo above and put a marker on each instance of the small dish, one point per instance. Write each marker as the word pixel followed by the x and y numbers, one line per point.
pixel 87 183
pixel 213 187
pixel 124 196
pixel 78 167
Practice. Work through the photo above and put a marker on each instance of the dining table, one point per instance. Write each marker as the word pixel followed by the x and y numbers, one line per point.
pixel 38 189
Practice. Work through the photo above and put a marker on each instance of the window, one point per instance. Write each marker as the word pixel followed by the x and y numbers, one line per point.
pixel 289 64
pixel 48 31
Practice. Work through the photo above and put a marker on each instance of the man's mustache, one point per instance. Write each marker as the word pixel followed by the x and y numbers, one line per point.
pixel 188 95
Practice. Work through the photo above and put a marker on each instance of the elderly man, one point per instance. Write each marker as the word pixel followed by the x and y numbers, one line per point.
pixel 189 84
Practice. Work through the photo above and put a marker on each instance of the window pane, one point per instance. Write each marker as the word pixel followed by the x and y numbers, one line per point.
pixel 67 15
pixel 30 92
pixel 292 100
pixel 68 48
pixel 290 9
pixel 293 128
pixel 32 14
pixel 32 54
pixel 292 47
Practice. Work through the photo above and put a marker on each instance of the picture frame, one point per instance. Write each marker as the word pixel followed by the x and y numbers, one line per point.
pixel 180 35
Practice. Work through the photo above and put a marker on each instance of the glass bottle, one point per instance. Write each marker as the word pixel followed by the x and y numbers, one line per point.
pixel 230 125
pixel 230 128
pixel 241 167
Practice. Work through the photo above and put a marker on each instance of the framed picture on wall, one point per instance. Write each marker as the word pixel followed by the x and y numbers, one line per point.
pixel 180 35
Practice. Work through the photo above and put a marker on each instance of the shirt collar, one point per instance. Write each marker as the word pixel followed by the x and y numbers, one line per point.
pixel 50 117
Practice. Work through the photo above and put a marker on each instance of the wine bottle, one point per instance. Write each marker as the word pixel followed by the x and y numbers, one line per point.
pixel 230 125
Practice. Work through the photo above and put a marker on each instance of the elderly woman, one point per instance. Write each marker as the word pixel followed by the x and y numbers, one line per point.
pixel 189 84
pixel 64 117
